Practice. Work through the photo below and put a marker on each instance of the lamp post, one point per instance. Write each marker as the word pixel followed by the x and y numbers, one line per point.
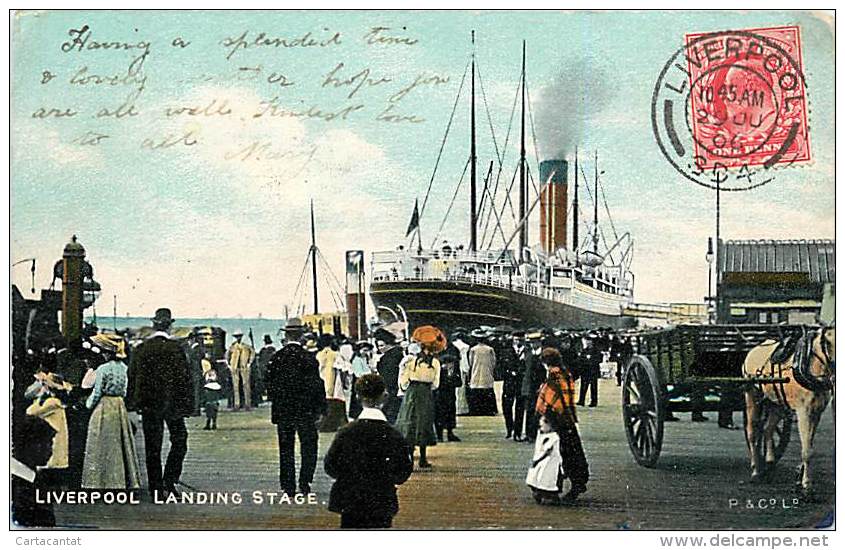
pixel 709 257
pixel 31 270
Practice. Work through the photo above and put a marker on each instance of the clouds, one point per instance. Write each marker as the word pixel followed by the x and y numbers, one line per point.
pixel 253 229
pixel 49 141
pixel 201 201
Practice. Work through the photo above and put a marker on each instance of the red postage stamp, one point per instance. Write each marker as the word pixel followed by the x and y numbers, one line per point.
pixel 747 103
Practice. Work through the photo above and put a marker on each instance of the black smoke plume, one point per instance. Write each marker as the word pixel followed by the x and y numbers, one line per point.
pixel 567 107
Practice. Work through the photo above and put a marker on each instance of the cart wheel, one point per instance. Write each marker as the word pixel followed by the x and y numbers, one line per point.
pixel 781 433
pixel 642 411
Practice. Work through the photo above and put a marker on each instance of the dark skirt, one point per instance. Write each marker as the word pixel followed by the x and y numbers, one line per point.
pixel 416 416
pixel 482 402
pixel 575 465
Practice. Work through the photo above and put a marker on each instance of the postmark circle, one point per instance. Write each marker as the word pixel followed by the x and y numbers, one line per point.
pixel 713 146
pixel 741 96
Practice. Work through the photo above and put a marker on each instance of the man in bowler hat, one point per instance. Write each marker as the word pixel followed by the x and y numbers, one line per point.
pixel 298 406
pixel 161 389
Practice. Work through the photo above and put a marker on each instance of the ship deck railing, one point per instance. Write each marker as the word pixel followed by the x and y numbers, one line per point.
pixel 530 288
pixel 496 257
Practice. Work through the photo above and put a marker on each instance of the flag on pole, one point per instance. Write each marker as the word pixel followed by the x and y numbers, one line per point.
pixel 415 219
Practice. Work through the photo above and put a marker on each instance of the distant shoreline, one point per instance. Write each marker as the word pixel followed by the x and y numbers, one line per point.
pixel 259 326
pixel 185 320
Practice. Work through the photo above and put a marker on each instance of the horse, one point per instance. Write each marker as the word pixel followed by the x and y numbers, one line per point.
pixel 810 371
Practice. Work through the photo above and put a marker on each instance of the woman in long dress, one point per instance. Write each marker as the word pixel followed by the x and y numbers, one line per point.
pixel 360 367
pixel 556 402
pixel 327 358
pixel 110 458
pixel 419 378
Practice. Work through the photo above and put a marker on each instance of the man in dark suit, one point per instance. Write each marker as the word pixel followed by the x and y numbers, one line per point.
pixel 298 406
pixel 368 458
pixel 388 368
pixel 590 359
pixel 532 378
pixel 161 389
pixel 259 369
pixel 511 355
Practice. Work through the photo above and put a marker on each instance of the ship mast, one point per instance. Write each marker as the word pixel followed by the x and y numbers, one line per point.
pixel 523 230
pixel 473 246
pixel 575 242
pixel 596 207
pixel 314 260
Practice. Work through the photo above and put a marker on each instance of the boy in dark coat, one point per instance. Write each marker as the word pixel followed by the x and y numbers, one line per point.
pixel 368 458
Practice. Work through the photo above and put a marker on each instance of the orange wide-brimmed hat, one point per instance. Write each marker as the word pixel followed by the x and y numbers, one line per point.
pixel 430 337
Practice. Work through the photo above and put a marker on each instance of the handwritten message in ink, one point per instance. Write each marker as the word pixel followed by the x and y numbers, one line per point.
pixel 231 94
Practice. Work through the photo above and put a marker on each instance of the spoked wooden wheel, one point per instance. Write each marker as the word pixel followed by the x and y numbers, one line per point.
pixel 642 411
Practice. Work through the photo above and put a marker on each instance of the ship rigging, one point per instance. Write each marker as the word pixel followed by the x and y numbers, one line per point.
pixel 556 282
pixel 315 264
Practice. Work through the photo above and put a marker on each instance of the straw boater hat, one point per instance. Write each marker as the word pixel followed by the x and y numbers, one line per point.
pixel 111 344
pixel 53 381
pixel 479 333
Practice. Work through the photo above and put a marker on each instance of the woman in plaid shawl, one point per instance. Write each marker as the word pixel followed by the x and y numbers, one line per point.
pixel 556 402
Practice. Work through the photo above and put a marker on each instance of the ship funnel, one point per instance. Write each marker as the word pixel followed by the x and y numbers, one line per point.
pixel 356 294
pixel 553 203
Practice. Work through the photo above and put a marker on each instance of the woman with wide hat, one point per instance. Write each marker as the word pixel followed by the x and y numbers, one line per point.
pixel 110 458
pixel 420 376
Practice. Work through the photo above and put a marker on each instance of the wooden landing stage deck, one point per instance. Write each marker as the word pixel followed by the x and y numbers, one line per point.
pixel 479 482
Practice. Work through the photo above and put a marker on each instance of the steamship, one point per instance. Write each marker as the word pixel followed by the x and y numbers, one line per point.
pixel 559 282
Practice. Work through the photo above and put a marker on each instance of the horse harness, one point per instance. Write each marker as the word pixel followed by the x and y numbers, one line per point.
pixel 802 353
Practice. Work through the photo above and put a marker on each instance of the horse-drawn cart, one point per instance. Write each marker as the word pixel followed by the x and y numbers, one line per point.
pixel 692 368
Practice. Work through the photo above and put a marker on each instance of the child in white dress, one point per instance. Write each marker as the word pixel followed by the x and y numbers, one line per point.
pixel 545 476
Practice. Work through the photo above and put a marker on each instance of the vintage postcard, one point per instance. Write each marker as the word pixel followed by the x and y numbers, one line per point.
pixel 437 270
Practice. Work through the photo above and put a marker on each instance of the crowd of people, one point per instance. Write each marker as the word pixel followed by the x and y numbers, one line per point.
pixel 388 398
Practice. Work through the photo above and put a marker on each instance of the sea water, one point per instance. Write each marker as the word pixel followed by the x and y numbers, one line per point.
pixel 259 327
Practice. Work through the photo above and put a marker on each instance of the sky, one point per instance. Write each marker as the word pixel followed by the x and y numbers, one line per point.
pixel 197 197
